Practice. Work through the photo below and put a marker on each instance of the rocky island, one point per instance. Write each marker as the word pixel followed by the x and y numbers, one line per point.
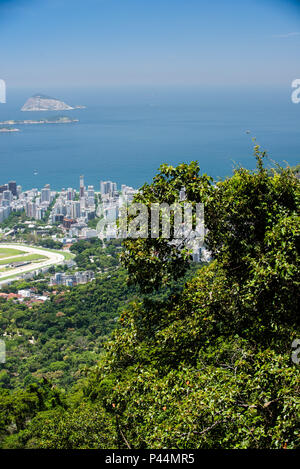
pixel 40 102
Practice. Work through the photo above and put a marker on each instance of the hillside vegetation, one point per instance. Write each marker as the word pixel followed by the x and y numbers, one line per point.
pixel 208 366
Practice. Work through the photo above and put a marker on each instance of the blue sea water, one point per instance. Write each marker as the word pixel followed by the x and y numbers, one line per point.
pixel 124 134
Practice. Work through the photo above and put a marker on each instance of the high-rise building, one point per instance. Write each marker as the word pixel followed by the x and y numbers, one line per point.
pixel 75 209
pixel 128 194
pixel 4 213
pixel 7 195
pixel 91 196
pixel 108 187
pixel 70 194
pixel 81 192
pixel 12 186
pixel 91 192
pixel 30 209
pixel 46 194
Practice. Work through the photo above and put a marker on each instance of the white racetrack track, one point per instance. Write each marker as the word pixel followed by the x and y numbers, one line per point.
pixel 52 259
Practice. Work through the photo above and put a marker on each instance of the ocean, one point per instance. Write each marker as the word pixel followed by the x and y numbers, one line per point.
pixel 125 134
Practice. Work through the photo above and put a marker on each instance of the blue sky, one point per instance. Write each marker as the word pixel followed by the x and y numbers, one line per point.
pixel 156 42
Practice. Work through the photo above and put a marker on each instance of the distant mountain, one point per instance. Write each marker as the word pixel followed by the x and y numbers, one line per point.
pixel 41 102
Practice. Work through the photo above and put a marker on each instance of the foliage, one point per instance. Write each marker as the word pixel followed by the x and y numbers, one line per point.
pixel 211 368
pixel 153 262
pixel 68 331
pixel 208 366
pixel 50 243
pixel 85 427
pixel 92 255
pixel 14 219
pixel 18 407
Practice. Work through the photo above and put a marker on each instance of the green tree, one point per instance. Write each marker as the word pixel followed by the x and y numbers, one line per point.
pixel 153 262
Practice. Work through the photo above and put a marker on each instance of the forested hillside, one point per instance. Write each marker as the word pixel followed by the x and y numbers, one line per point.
pixel 208 366
pixel 60 338
pixel 68 331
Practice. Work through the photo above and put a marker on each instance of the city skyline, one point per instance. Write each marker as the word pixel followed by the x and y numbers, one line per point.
pixel 67 205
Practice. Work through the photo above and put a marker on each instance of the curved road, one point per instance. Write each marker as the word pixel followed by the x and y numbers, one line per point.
pixel 52 259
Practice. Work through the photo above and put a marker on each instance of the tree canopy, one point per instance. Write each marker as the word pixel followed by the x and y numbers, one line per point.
pixel 208 366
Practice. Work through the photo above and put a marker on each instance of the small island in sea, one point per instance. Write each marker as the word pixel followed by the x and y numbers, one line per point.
pixel 54 120
pixel 6 129
pixel 41 102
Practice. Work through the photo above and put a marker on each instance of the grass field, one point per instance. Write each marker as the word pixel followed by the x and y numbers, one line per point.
pixel 35 259
pixel 67 255
pixel 30 257
pixel 7 252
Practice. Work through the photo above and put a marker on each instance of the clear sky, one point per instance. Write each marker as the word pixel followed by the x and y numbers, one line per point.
pixel 176 42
